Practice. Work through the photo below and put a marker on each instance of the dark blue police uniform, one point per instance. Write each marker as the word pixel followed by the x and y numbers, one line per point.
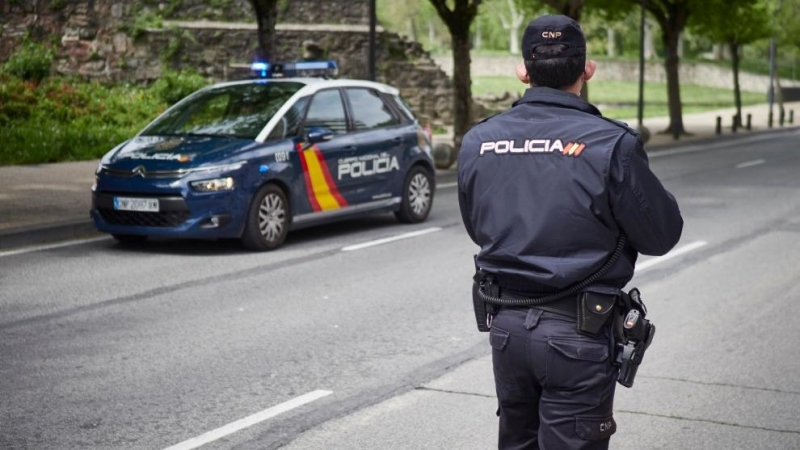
pixel 545 189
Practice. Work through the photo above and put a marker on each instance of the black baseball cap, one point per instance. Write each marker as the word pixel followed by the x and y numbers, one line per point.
pixel 553 30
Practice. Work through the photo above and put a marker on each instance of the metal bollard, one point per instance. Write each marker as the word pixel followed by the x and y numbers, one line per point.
pixel 769 120
pixel 718 129
pixel 791 116
pixel 782 117
pixel 735 123
pixel 749 122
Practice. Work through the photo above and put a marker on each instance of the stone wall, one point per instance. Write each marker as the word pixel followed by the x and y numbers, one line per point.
pixel 118 40
pixel 690 73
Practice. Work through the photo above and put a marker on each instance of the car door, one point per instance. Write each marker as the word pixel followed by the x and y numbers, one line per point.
pixel 379 144
pixel 327 191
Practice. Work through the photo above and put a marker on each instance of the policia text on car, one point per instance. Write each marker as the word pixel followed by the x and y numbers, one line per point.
pixel 561 201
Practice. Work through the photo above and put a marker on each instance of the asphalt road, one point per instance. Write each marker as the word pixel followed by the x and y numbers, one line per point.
pixel 108 347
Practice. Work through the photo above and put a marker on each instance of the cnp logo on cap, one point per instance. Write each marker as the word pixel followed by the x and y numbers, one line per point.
pixel 549 30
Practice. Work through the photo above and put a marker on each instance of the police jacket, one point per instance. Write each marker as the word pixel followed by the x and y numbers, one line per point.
pixel 546 188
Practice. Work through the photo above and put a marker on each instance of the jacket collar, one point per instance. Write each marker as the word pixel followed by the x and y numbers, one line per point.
pixel 555 97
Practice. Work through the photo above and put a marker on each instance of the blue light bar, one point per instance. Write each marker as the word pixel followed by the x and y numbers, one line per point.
pixel 295 69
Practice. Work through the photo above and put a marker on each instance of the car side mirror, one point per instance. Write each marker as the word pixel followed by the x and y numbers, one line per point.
pixel 315 135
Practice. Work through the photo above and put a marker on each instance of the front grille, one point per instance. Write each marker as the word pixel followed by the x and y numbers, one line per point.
pixel 144 219
pixel 142 173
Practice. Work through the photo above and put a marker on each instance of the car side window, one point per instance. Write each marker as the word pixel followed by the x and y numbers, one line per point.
pixel 369 109
pixel 327 110
pixel 289 125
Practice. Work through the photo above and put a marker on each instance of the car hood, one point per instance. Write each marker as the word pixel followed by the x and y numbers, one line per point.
pixel 168 153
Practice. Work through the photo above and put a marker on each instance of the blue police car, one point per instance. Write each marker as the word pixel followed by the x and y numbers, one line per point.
pixel 254 159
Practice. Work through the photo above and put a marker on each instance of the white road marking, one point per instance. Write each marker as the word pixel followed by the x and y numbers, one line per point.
pixel 39 248
pixel 673 254
pixel 446 185
pixel 390 239
pixel 249 421
pixel 750 163
pixel 699 148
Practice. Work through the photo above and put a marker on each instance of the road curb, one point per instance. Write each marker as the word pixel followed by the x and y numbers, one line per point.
pixel 47 233
pixel 717 138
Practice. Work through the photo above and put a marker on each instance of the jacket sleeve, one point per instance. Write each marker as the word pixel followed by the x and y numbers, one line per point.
pixel 464 204
pixel 642 207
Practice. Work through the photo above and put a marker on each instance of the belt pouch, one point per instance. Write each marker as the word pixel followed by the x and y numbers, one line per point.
pixel 480 308
pixel 594 311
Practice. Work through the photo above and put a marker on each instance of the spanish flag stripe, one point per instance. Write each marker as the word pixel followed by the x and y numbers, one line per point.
pixel 309 188
pixel 320 187
pixel 565 150
pixel 580 149
pixel 573 148
pixel 333 189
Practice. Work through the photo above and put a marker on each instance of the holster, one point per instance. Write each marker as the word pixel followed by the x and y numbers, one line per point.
pixel 483 311
pixel 594 312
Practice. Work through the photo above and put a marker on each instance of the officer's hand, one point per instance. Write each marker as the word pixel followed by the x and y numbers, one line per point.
pixel 522 73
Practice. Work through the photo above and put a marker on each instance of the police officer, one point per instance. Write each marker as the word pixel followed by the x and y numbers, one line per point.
pixel 546 189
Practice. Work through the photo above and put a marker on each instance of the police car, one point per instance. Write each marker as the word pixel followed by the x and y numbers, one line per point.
pixel 254 159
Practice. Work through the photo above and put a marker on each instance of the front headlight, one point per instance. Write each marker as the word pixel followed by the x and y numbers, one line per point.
pixel 223 168
pixel 215 185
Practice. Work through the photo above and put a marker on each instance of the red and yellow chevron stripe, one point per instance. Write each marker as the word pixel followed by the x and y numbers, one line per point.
pixel 320 187
pixel 573 149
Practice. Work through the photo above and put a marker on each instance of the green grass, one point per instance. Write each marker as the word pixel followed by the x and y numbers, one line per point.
pixel 618 99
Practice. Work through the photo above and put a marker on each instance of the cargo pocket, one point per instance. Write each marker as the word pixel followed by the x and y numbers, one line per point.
pixel 578 369
pixel 595 428
pixel 504 378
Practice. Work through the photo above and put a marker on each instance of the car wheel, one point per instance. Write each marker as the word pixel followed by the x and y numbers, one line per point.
pixel 267 220
pixel 129 238
pixel 417 196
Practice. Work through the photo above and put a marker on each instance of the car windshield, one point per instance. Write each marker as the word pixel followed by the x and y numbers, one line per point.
pixel 237 111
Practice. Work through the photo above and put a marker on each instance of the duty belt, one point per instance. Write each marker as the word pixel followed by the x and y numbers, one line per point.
pixel 567 306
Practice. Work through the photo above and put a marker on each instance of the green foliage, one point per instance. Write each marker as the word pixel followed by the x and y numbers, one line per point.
pixel 143 21
pixel 64 119
pixel 31 61
pixel 173 86
pixel 618 99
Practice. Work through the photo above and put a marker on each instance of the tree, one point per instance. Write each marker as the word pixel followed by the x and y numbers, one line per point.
pixel 511 19
pixel 458 20
pixel 266 16
pixel 743 23
pixel 672 16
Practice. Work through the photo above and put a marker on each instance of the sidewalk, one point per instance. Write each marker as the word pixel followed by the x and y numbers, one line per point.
pixel 51 202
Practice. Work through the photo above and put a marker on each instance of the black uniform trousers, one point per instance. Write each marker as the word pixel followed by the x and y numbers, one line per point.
pixel 555 387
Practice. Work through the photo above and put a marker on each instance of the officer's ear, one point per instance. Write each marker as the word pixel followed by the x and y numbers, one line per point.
pixel 522 73
pixel 588 71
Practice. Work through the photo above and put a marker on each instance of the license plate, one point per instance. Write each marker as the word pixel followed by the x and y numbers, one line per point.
pixel 136 204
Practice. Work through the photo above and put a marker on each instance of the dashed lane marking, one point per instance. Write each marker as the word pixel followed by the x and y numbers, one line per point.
pixel 751 163
pixel 40 248
pixel 390 239
pixel 644 265
pixel 249 421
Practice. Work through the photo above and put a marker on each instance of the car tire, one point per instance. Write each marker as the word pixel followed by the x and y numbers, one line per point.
pixel 417 196
pixel 268 219
pixel 129 238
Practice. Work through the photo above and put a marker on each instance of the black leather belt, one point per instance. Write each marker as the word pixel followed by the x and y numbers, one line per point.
pixel 567 306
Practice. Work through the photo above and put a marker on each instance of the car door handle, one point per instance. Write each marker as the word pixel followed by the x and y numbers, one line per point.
pixel 399 139
pixel 351 148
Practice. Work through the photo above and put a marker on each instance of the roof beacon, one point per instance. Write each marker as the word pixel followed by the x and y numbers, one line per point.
pixel 325 69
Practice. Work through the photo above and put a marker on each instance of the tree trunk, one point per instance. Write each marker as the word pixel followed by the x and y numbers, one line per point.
pixel 462 84
pixel 672 65
pixel 266 17
pixel 513 40
pixel 737 93
pixel 611 45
